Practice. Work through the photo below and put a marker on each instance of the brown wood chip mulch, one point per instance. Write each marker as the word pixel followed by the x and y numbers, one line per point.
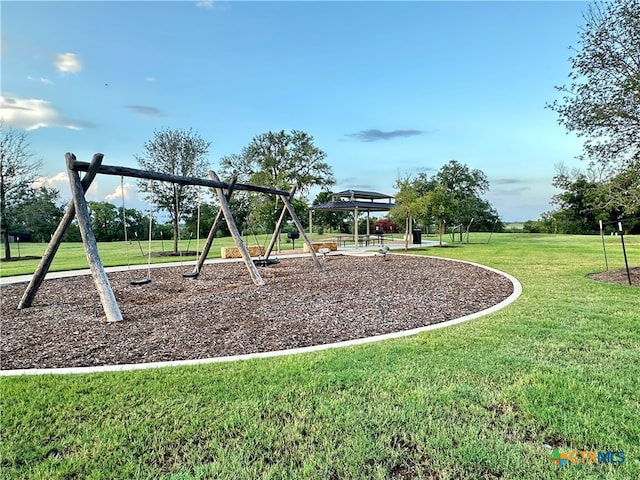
pixel 223 313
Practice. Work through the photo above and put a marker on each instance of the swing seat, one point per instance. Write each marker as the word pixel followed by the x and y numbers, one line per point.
pixel 191 274
pixel 142 281
pixel 262 262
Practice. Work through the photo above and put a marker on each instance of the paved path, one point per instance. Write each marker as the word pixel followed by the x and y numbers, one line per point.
pixel 349 250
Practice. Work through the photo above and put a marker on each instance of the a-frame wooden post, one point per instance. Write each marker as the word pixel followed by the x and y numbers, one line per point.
pixel 107 297
pixel 224 206
pixel 279 223
pixel 56 238
pixel 214 229
pixel 305 237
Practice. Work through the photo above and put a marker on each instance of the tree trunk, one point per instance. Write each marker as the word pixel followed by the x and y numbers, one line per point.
pixel 406 233
pixel 7 247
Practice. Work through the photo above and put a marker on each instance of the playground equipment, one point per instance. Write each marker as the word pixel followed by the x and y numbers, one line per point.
pixel 140 281
pixel 78 208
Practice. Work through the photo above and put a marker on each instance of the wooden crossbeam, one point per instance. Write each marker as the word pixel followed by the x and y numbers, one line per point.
pixel 180 180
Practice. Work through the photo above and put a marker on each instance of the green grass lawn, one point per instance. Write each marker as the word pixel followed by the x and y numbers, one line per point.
pixel 485 399
pixel 71 256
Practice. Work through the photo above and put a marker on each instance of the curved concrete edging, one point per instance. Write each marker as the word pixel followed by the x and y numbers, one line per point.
pixel 517 291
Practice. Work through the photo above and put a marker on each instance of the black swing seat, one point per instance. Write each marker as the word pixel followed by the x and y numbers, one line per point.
pixel 265 262
pixel 191 274
pixel 142 281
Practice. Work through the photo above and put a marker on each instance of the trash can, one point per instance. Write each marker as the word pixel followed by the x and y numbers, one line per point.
pixel 417 237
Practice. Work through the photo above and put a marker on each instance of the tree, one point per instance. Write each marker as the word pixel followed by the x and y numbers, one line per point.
pixel 17 173
pixel 602 102
pixel 408 205
pixel 584 201
pixel 465 186
pixel 451 196
pixel 105 221
pixel 176 152
pixel 279 160
pixel 39 213
pixel 439 203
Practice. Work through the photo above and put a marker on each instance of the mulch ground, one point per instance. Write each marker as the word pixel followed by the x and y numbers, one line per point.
pixel 618 276
pixel 223 313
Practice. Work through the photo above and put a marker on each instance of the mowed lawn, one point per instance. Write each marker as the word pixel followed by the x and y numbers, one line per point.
pixel 487 399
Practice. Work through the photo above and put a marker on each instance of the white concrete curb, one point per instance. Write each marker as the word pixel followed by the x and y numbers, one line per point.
pixel 517 291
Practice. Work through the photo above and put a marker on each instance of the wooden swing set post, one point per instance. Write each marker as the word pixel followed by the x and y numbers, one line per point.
pixel 279 223
pixel 56 238
pixel 305 237
pixel 242 248
pixel 107 297
pixel 214 229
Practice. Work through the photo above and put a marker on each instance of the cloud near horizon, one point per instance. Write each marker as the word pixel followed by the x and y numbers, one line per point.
pixel 373 135
pixel 34 113
pixel 145 110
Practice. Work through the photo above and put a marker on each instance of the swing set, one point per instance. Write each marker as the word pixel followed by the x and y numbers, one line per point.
pixel 141 281
pixel 78 208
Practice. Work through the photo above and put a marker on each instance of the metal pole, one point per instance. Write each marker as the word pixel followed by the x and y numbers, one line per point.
pixel 606 264
pixel 624 251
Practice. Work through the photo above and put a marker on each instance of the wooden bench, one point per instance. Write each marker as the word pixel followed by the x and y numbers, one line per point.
pixel 333 246
pixel 234 252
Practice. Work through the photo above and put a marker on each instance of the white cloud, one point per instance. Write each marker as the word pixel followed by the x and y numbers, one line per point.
pixel 130 194
pixel 207 4
pixel 68 63
pixel 60 181
pixel 34 113
pixel 41 80
pixel 150 79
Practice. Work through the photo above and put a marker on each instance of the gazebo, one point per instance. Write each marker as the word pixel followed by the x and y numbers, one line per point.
pixel 357 201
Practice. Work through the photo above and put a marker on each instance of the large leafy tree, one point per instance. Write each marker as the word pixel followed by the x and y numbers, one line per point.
pixel 279 160
pixel 465 187
pixel 39 213
pixel 18 170
pixel 177 152
pixel 458 192
pixel 602 101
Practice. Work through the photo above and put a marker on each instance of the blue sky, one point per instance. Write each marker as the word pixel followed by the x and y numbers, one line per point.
pixel 386 89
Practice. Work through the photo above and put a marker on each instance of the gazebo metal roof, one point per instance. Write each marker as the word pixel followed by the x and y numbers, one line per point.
pixel 357 199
